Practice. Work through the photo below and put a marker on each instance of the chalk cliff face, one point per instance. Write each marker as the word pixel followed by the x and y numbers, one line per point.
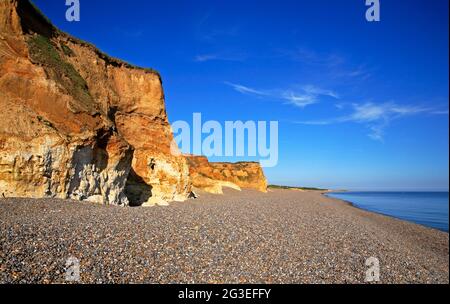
pixel 212 177
pixel 76 123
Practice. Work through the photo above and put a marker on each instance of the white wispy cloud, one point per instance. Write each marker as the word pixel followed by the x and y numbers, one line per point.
pixel 305 96
pixel 376 117
pixel 329 65
pixel 205 57
pixel 313 90
pixel 246 90
pixel 440 112
pixel 221 57
pixel 300 101
pixel 311 57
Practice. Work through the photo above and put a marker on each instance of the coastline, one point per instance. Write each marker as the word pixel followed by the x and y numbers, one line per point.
pixel 380 213
pixel 241 237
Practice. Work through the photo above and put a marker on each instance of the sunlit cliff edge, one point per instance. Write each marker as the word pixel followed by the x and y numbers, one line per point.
pixel 78 124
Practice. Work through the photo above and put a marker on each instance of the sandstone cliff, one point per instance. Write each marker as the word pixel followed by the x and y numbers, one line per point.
pixel 212 177
pixel 76 123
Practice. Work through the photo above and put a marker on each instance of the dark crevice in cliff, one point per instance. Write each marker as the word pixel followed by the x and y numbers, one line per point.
pixel 112 111
pixel 136 190
pixel 101 156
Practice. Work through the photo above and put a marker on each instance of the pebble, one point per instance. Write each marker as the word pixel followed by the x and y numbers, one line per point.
pixel 241 237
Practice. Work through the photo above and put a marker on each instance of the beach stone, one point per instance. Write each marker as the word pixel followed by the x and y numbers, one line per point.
pixel 246 236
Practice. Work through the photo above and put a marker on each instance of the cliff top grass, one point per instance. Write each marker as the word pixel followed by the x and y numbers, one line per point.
pixel 55 32
pixel 43 52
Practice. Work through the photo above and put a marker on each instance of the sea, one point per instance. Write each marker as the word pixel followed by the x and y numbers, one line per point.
pixel 425 208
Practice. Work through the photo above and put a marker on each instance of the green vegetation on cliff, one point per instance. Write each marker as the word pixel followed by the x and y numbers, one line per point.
pixel 36 22
pixel 296 188
pixel 43 52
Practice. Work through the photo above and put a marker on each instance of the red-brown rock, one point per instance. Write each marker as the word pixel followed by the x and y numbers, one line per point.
pixel 211 176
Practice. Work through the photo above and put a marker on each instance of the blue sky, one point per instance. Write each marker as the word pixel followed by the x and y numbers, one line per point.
pixel 360 105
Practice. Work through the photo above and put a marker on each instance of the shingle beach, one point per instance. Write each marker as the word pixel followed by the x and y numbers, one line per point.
pixel 284 236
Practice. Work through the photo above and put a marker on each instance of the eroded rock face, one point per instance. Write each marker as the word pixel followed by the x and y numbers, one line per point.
pixel 76 123
pixel 134 101
pixel 212 177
